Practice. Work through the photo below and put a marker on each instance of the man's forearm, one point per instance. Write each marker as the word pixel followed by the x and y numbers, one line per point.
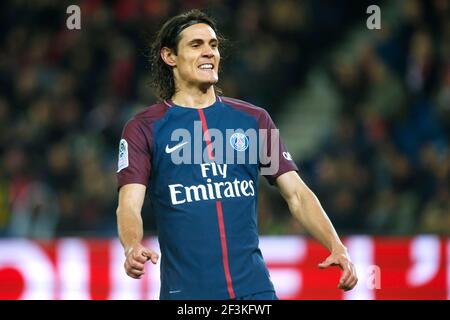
pixel 307 209
pixel 130 227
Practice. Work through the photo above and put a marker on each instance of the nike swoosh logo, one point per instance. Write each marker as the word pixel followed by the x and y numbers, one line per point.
pixel 170 150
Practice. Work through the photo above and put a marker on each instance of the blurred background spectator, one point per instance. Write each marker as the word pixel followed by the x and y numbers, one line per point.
pixel 380 163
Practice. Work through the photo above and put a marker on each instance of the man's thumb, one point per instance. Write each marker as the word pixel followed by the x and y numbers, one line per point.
pixel 151 255
pixel 324 264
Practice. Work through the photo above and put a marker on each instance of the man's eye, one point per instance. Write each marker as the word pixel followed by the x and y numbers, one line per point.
pixel 195 45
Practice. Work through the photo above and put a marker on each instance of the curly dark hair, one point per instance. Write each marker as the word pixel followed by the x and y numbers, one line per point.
pixel 169 36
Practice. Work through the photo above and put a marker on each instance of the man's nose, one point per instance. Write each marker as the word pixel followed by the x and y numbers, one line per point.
pixel 208 52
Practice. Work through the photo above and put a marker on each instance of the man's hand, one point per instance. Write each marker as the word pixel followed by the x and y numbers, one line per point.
pixel 136 256
pixel 341 259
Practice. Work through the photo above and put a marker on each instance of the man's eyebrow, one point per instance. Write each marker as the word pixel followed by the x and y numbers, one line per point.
pixel 199 40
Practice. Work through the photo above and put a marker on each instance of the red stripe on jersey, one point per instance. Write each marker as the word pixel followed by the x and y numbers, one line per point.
pixel 223 241
pixel 206 132
pixel 223 236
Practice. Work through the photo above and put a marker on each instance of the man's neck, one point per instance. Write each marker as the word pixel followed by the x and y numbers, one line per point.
pixel 195 98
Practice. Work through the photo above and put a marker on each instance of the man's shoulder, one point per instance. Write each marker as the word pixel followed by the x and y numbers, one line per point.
pixel 242 104
pixel 247 107
pixel 149 114
pixel 143 120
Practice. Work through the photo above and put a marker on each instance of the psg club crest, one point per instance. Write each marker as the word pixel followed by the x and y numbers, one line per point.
pixel 239 141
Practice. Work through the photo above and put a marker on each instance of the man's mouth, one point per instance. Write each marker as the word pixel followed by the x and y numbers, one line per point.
pixel 206 66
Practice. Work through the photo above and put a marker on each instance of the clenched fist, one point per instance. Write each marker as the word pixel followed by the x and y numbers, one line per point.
pixel 136 256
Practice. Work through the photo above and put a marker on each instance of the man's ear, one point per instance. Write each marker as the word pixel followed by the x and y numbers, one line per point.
pixel 168 56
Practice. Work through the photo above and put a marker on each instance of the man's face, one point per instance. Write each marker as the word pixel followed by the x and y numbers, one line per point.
pixel 197 62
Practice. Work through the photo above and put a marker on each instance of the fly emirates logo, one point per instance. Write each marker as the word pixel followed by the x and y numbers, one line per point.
pixel 180 194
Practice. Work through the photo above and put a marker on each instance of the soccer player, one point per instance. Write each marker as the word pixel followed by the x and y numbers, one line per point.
pixel 205 206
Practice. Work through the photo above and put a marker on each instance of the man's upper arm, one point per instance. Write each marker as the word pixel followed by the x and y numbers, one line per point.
pixel 280 159
pixel 291 186
pixel 131 196
pixel 134 165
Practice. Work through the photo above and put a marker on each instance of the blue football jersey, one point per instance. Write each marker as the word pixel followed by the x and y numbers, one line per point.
pixel 201 168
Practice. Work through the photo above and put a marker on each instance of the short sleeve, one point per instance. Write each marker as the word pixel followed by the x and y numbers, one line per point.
pixel 134 158
pixel 274 158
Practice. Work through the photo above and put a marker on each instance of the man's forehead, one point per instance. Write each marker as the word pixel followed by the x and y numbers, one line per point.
pixel 198 31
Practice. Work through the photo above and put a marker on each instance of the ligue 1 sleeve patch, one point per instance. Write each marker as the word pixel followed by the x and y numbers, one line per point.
pixel 123 155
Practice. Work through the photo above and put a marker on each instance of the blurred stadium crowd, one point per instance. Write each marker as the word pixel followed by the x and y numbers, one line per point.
pixel 65 96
